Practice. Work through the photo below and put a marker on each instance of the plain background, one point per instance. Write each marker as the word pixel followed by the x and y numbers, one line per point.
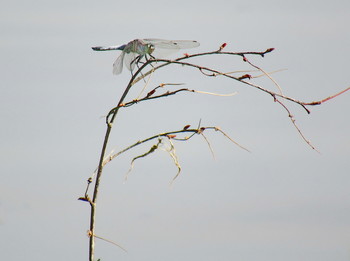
pixel 282 201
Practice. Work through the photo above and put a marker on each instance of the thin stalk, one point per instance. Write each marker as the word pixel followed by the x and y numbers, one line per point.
pixel 109 121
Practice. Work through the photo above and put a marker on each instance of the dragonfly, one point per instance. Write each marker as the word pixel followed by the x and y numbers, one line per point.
pixel 135 50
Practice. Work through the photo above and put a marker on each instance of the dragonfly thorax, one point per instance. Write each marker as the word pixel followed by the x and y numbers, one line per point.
pixel 138 46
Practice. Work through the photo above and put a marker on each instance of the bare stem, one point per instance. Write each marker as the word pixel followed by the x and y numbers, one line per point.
pixel 109 121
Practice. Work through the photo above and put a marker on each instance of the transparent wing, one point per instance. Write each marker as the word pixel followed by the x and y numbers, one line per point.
pixel 162 52
pixel 130 60
pixel 172 44
pixel 163 48
pixel 118 64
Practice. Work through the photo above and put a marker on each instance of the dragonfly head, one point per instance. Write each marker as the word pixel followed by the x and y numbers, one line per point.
pixel 150 48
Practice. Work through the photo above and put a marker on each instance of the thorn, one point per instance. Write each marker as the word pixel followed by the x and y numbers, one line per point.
pixel 171 136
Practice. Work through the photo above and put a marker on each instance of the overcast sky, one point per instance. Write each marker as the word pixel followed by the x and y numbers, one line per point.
pixel 281 201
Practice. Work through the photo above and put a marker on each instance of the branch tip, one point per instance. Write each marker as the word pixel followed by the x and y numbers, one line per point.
pixel 222 46
pixel 269 50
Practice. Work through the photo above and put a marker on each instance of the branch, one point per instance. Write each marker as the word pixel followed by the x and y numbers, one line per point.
pixel 207 71
pixel 295 125
pixel 188 56
pixel 328 98
pixel 171 135
pixel 242 79
pixel 150 96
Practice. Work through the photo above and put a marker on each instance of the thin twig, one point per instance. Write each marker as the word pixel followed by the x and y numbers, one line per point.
pixel 328 98
pixel 227 136
pixel 109 241
pixel 296 126
pixel 265 73
pixel 209 145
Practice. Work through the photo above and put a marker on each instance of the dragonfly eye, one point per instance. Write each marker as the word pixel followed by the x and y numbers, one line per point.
pixel 151 48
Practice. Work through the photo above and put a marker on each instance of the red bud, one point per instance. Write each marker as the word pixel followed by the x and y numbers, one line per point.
pixel 201 130
pixel 245 77
pixel 151 93
pixel 223 46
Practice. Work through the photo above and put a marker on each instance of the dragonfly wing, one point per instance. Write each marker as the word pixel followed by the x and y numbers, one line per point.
pixel 164 48
pixel 172 44
pixel 130 60
pixel 162 52
pixel 118 64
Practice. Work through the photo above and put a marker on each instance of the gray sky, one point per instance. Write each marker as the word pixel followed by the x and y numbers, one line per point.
pixel 282 201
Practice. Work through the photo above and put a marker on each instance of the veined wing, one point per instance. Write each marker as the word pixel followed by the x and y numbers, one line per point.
pixel 118 64
pixel 171 44
pixel 130 60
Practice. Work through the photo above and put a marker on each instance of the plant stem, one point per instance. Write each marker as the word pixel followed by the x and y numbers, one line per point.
pixel 109 120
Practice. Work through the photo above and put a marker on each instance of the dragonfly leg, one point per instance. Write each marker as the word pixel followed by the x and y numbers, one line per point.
pixel 152 57
pixel 135 61
pixel 138 60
